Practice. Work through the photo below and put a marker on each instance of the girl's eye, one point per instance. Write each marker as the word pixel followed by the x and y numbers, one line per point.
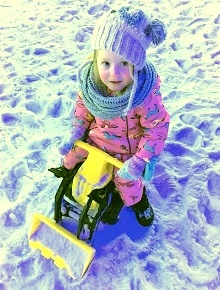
pixel 105 63
pixel 124 63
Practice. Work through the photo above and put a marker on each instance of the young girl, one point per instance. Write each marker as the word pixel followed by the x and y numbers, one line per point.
pixel 119 108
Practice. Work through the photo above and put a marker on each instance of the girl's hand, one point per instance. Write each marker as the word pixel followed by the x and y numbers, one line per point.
pixel 132 169
pixel 65 147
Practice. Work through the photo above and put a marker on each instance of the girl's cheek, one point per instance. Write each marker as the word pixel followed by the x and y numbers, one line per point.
pixel 102 75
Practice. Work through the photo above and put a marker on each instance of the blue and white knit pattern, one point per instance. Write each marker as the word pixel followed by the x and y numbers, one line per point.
pixel 106 107
pixel 127 32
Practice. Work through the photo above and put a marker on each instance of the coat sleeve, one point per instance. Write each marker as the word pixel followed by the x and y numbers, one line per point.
pixel 82 117
pixel 154 120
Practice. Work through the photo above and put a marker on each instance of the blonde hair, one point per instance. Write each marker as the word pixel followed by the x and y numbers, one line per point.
pixel 100 85
pixel 97 78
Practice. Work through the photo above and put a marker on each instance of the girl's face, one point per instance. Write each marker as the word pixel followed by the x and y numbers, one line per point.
pixel 114 71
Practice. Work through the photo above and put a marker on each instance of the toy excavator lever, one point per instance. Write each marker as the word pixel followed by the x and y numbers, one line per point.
pixel 89 177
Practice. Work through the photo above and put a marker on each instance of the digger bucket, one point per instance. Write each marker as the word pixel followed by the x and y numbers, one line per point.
pixel 63 247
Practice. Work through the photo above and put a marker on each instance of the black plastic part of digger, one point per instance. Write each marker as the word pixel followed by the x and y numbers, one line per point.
pixel 63 189
pixel 99 195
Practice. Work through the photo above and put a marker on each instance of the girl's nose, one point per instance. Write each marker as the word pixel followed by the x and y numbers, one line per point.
pixel 114 70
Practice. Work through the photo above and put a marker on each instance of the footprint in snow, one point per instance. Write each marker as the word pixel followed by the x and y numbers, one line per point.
pixel 40 51
pixel 56 108
pixel 97 8
pixel 82 36
pixel 10 119
pixel 25 267
pixel 215 155
pixel 9 67
pixel 189 136
pixel 213 182
pixel 37 161
pixel 34 107
pixel 165 185
pixel 176 149
pixel 14 217
pixel 2 88
pixel 41 144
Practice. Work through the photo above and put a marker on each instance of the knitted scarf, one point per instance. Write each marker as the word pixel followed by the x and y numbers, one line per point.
pixel 108 107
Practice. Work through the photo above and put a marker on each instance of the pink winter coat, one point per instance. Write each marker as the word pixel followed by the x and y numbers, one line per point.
pixel 142 132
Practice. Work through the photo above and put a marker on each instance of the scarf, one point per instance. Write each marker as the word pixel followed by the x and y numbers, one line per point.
pixel 108 107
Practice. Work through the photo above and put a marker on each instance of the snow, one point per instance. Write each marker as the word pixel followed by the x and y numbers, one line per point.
pixel 42 46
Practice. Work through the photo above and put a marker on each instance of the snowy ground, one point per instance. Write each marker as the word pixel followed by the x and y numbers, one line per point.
pixel 42 44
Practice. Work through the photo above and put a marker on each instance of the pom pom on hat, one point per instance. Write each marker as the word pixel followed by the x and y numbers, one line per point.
pixel 156 32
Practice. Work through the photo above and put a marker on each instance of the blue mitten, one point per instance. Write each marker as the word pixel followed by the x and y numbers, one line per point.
pixel 75 134
pixel 150 168
pixel 132 169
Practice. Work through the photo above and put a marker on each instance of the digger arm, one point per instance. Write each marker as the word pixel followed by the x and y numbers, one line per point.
pixel 96 152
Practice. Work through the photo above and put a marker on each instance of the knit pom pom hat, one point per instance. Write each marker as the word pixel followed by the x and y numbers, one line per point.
pixel 127 32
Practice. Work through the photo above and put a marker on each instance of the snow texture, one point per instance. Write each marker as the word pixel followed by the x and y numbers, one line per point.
pixel 42 45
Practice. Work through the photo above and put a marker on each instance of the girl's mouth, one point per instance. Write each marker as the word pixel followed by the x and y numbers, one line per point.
pixel 114 82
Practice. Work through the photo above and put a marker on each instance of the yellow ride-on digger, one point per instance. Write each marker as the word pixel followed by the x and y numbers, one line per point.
pixel 81 197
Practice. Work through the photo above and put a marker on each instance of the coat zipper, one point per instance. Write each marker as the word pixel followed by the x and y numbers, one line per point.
pixel 129 145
